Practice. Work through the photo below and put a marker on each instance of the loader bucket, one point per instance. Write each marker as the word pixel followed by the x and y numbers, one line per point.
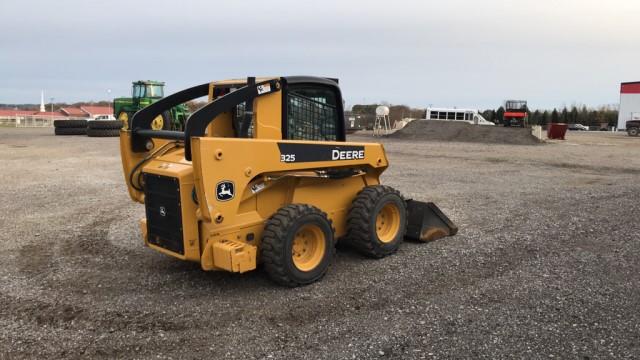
pixel 427 222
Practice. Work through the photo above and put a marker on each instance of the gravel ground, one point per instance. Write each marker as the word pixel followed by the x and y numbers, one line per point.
pixel 546 263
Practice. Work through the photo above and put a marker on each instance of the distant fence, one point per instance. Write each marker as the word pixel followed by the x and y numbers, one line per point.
pixel 32 120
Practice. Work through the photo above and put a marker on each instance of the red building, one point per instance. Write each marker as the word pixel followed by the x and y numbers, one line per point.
pixel 85 112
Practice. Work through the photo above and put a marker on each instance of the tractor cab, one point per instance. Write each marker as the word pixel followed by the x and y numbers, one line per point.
pixel 147 89
pixel 143 94
pixel 516 105
pixel 515 113
pixel 146 92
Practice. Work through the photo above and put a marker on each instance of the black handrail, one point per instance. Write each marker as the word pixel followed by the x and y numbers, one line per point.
pixel 140 124
pixel 160 134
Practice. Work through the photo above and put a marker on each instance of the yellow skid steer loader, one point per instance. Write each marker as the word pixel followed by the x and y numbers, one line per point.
pixel 263 174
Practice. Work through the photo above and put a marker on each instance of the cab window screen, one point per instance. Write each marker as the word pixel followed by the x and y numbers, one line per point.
pixel 311 113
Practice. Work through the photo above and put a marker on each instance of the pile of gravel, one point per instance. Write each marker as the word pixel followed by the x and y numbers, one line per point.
pixel 465 132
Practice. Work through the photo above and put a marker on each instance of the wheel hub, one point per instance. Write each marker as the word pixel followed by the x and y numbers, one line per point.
pixel 125 120
pixel 157 123
pixel 388 223
pixel 308 247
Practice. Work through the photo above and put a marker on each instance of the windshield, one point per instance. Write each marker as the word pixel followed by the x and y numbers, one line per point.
pixel 154 91
pixel 138 91
pixel 516 105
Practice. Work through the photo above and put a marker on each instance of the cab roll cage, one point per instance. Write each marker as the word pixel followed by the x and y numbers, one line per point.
pixel 230 95
pixel 197 123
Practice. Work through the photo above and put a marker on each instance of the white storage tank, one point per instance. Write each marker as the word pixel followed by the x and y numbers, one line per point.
pixel 629 103
pixel 382 111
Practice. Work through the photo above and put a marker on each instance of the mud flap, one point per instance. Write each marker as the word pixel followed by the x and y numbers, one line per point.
pixel 427 222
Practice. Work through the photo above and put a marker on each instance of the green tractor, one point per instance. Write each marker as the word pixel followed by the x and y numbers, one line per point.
pixel 144 93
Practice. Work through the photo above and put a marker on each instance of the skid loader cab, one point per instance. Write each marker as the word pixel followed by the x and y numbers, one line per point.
pixel 262 173
pixel 299 108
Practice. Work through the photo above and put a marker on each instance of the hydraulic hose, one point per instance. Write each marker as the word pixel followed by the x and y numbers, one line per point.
pixel 163 148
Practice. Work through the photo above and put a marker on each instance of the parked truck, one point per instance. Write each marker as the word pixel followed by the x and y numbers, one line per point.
pixel 633 127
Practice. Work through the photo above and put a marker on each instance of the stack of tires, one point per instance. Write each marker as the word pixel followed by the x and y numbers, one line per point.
pixel 104 128
pixel 70 127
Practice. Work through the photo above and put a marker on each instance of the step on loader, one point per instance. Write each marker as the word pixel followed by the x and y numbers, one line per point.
pixel 262 174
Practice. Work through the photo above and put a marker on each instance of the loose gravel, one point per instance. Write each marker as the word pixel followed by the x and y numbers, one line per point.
pixel 440 130
pixel 545 264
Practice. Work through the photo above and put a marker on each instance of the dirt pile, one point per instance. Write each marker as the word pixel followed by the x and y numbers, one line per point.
pixel 465 132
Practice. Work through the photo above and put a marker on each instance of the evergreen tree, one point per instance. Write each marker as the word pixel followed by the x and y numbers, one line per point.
pixel 500 115
pixel 574 115
pixel 564 117
pixel 489 115
pixel 545 118
pixel 535 117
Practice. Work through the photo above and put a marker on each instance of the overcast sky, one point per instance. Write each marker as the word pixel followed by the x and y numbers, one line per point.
pixel 442 53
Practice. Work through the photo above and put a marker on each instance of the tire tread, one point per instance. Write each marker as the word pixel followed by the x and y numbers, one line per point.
pixel 274 240
pixel 103 132
pixel 359 221
pixel 71 123
pixel 70 131
pixel 105 124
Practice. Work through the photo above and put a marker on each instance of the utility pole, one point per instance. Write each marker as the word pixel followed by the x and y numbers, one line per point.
pixel 52 107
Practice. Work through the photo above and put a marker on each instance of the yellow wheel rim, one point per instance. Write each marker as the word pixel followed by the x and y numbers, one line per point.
pixel 157 123
pixel 308 247
pixel 125 120
pixel 388 223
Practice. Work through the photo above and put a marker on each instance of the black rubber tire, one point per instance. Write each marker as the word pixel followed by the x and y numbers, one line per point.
pixel 361 221
pixel 103 132
pixel 633 131
pixel 70 123
pixel 277 243
pixel 70 131
pixel 105 124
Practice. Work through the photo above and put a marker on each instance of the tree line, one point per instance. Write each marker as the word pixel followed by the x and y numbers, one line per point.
pixel 569 115
pixel 575 114
pixel 396 112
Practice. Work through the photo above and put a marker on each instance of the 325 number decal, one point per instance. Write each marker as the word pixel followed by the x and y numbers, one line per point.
pixel 287 158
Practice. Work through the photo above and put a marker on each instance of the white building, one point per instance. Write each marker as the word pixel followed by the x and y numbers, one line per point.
pixel 629 103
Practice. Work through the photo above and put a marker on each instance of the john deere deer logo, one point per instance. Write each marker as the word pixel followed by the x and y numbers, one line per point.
pixel 225 190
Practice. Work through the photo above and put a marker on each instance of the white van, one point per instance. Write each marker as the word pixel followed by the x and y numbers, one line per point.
pixel 463 115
